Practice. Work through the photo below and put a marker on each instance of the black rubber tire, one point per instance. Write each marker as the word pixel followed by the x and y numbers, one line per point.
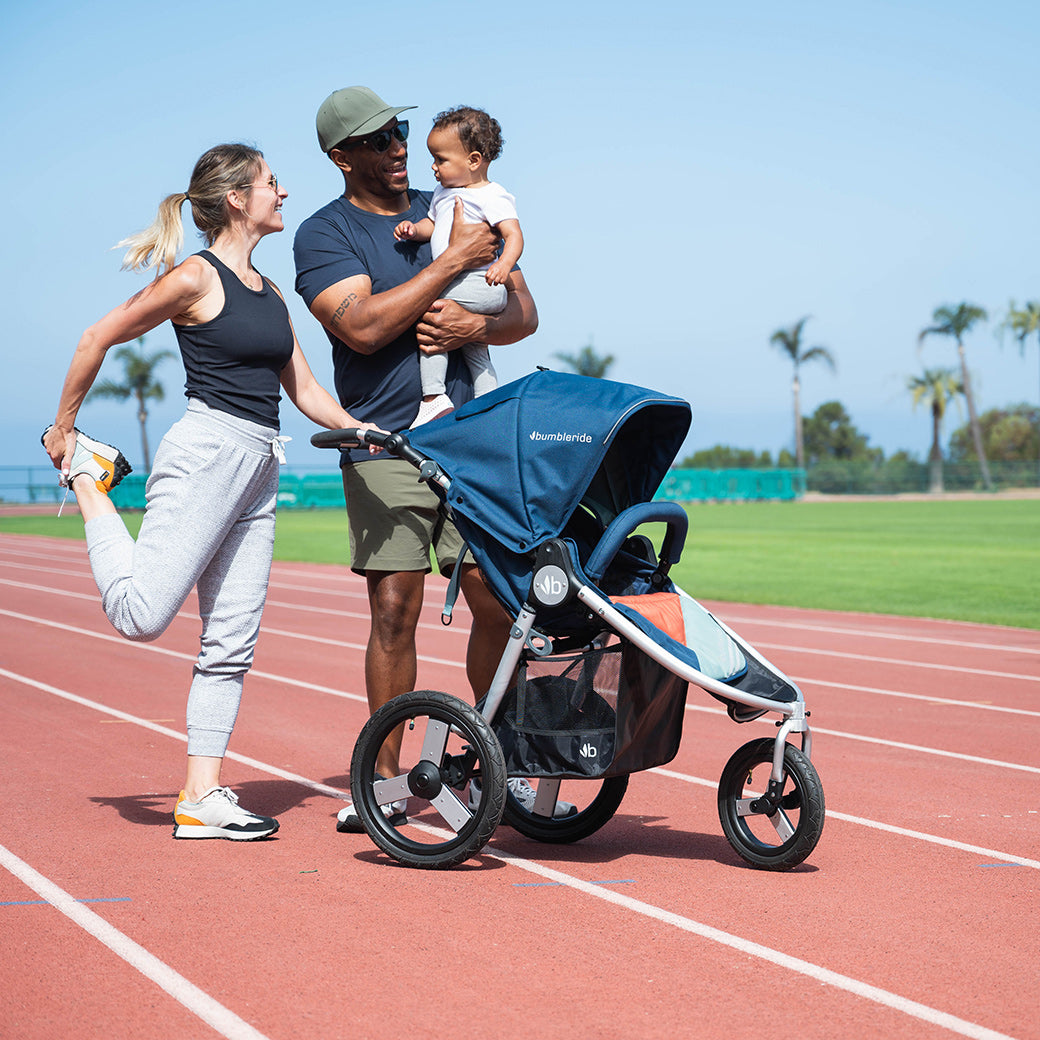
pixel 802 796
pixel 466 725
pixel 570 828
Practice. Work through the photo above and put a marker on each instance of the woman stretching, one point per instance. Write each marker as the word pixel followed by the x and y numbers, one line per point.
pixel 210 513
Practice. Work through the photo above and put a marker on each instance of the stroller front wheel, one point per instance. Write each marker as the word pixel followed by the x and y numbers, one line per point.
pixel 422 817
pixel 782 838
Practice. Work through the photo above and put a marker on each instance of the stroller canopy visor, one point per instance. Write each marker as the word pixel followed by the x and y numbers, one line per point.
pixel 522 458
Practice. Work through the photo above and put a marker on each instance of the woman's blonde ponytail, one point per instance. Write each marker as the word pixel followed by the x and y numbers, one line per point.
pixel 157 246
pixel 225 168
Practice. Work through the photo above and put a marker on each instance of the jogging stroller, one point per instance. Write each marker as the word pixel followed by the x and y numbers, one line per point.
pixel 548 479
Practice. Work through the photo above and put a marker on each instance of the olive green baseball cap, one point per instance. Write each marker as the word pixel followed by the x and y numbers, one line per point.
pixel 352 112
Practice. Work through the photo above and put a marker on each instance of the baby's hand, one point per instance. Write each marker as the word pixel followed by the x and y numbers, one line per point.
pixel 496 274
pixel 404 231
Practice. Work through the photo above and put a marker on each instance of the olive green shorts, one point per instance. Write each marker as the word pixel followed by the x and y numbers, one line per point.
pixel 394 520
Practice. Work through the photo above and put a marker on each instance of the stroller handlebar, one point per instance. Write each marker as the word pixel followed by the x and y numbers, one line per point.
pixel 350 437
pixel 395 443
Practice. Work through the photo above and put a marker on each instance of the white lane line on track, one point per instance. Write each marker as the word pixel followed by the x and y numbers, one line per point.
pixel 948 701
pixel 46 570
pixel 324 640
pixel 928 751
pixel 74 550
pixel 845 983
pixel 299 683
pixel 462 630
pixel 337 793
pixel 155 727
pixel 888 828
pixel 428 626
pixel 198 1002
pixel 180 655
pixel 432 598
pixel 734 621
pixel 881 741
pixel 752 949
pixel 902 662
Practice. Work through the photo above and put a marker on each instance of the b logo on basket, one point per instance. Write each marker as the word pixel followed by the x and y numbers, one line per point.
pixel 588 751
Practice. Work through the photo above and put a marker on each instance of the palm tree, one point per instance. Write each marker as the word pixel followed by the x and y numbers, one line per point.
pixel 790 342
pixel 138 382
pixel 955 323
pixel 936 386
pixel 587 362
pixel 1023 323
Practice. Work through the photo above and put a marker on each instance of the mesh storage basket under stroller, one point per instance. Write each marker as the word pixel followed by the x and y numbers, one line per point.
pixel 604 712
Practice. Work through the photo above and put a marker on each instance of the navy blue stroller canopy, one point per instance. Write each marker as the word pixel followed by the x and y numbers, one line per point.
pixel 524 457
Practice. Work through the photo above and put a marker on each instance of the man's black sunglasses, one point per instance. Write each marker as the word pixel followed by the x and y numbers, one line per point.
pixel 380 141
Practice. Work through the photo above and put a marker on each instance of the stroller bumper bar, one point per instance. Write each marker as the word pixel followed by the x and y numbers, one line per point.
pixel 669 513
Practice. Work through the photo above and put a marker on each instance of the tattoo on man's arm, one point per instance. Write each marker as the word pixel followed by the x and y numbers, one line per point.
pixel 342 309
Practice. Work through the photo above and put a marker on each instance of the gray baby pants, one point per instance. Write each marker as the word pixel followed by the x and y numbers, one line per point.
pixel 209 521
pixel 471 291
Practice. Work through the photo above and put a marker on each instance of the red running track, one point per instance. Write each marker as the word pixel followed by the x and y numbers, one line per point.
pixel 915 917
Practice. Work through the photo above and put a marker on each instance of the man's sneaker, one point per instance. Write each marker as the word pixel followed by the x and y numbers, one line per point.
pixel 104 464
pixel 429 410
pixel 348 821
pixel 525 794
pixel 217 814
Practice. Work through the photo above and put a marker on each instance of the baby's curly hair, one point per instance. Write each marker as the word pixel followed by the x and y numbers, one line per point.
pixel 477 131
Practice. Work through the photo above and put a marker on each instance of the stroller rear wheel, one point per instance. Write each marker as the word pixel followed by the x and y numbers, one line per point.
pixel 590 816
pixel 444 743
pixel 772 835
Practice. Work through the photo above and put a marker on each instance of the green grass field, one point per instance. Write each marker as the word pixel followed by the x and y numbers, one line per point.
pixel 970 560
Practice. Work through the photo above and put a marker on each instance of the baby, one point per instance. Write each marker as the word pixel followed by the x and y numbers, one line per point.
pixel 464 142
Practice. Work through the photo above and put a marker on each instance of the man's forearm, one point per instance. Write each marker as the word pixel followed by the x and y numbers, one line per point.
pixel 517 321
pixel 367 322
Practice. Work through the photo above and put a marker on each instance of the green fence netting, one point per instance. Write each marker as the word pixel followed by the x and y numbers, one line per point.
pixel 732 485
pixel 325 490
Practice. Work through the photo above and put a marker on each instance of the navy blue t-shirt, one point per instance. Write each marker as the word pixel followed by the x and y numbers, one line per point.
pixel 342 241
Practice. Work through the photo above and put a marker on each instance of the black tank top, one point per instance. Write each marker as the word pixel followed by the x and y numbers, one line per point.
pixel 232 362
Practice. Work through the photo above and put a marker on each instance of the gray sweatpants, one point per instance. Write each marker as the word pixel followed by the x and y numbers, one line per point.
pixel 472 291
pixel 209 521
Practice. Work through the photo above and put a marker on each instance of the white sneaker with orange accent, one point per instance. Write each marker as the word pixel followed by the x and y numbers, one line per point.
pixel 104 464
pixel 217 814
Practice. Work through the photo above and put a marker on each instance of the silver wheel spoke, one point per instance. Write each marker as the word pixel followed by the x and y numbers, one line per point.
pixel 393 790
pixel 545 798
pixel 454 813
pixel 435 741
pixel 782 825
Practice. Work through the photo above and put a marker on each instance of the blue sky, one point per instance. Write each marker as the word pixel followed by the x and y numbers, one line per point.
pixel 689 178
